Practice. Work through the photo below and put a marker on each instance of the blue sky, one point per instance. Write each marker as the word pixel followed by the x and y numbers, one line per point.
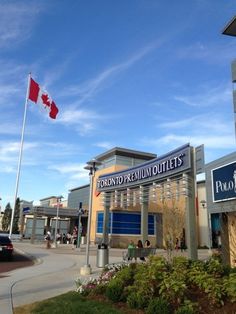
pixel 145 75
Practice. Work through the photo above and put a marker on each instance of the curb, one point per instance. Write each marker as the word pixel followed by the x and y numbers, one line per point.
pixel 35 260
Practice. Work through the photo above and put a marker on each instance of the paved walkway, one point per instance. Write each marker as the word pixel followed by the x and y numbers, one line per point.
pixel 54 273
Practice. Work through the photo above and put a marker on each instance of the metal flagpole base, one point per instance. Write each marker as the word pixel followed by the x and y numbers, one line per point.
pixel 85 270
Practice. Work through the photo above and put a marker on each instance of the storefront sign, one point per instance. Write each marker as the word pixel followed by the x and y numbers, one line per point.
pixel 224 182
pixel 172 163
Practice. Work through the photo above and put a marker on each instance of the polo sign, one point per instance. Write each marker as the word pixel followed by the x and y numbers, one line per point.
pixel 224 182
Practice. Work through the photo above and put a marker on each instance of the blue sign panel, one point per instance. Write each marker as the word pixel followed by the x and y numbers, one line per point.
pixel 169 164
pixel 224 182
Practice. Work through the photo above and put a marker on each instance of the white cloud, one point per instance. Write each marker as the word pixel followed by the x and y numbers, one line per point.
pixel 199 124
pixel 207 97
pixel 87 90
pixel 9 151
pixel 75 174
pixel 105 145
pixel 84 121
pixel 16 21
pixel 69 168
pixel 74 116
pixel 209 52
pixel 210 141
pixel 7 169
pixel 9 128
pixel 34 153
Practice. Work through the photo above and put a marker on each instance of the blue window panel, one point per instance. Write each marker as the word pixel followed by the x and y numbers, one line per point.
pixel 127 217
pixel 151 231
pixel 215 222
pixel 100 217
pixel 100 223
pixel 151 219
pixel 99 230
pixel 125 223
pixel 125 231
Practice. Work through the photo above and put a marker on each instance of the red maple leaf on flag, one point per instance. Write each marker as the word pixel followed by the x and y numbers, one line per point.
pixel 46 100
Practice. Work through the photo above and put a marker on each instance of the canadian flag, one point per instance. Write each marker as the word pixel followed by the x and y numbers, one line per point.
pixel 38 95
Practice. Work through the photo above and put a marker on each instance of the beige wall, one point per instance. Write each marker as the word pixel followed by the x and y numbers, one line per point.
pixel 96 200
pixel 202 218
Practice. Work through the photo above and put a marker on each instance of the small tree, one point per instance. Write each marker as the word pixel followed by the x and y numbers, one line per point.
pixel 15 226
pixel 6 219
pixel 174 219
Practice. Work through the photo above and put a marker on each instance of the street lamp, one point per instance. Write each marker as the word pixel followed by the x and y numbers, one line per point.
pixel 230 28
pixel 59 198
pixel 92 167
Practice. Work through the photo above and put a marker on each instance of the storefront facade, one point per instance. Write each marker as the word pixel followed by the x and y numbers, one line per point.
pixel 221 205
pixel 154 200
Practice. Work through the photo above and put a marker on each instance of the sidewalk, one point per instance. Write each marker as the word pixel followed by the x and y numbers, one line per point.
pixel 54 273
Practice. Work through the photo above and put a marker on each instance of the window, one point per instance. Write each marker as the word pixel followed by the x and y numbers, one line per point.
pixel 125 223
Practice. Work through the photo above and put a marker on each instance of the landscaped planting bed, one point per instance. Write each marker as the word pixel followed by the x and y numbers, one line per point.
pixel 157 286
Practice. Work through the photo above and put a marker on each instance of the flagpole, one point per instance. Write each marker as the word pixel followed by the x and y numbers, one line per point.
pixel 20 155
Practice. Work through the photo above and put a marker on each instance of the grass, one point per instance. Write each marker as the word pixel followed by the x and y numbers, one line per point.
pixel 69 303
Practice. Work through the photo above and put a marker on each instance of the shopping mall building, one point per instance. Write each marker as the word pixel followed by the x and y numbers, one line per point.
pixel 138 195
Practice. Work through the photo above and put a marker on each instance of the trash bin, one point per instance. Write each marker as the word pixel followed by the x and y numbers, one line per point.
pixel 102 255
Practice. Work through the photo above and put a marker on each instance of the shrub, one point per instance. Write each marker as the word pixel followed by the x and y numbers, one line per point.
pixel 215 267
pixel 132 300
pixel 210 285
pixel 180 263
pixel 138 300
pixel 184 310
pixel 114 290
pixel 145 285
pixel 230 287
pixel 197 265
pixel 126 275
pixel 187 308
pixel 158 306
pixel 173 287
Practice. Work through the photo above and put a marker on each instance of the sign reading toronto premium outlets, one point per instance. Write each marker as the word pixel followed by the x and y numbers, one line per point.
pixel 167 165
pixel 224 182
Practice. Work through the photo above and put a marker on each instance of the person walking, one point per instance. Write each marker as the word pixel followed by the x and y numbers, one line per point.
pixel 48 240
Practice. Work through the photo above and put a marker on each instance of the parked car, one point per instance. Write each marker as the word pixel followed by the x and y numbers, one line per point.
pixel 6 247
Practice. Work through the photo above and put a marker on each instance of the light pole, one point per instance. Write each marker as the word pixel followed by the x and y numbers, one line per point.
pixel 80 213
pixel 92 167
pixel 59 198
